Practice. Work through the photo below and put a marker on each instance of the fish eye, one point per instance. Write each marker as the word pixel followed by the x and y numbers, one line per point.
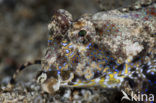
pixel 82 33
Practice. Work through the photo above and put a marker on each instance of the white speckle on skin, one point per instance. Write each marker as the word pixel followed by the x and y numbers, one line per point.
pixel 45 88
pixel 42 78
pixel 51 25
pixel 59 17
pixel 97 80
pixel 132 48
pixel 52 60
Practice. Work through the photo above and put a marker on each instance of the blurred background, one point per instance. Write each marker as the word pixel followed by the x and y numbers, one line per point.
pixel 23 27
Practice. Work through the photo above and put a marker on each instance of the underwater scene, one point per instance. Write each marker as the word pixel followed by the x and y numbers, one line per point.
pixel 78 51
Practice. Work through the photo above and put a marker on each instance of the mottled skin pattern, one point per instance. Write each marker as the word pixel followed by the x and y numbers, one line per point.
pixel 77 57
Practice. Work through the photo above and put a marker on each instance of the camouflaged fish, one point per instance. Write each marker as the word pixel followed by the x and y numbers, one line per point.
pixel 77 56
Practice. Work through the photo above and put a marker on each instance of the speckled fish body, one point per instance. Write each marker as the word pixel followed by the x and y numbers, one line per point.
pixel 82 55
